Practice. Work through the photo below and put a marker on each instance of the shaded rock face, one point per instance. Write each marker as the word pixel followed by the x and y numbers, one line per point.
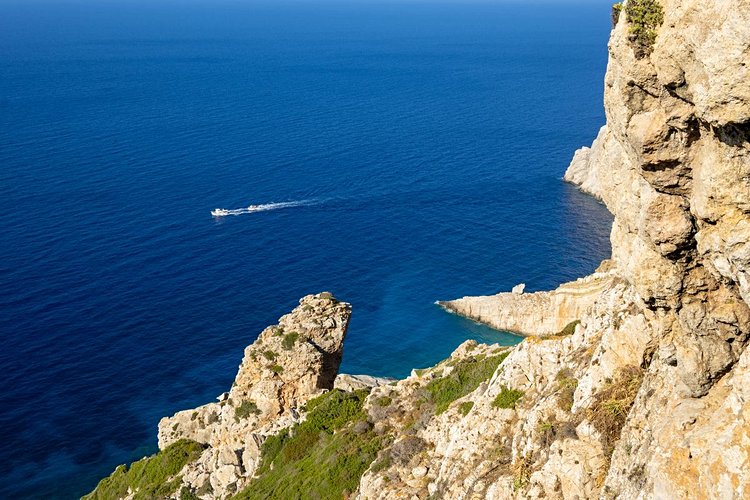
pixel 288 364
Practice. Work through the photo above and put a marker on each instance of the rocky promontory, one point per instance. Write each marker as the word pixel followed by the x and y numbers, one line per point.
pixel 289 363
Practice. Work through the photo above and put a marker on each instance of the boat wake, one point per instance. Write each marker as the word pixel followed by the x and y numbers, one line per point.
pixel 223 212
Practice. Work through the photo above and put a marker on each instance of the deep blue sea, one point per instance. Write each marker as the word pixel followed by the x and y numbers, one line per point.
pixel 426 142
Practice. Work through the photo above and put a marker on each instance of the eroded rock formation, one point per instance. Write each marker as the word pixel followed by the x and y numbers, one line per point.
pixel 287 365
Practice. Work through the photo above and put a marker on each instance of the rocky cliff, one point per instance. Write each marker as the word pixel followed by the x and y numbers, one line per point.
pixel 632 383
pixel 673 166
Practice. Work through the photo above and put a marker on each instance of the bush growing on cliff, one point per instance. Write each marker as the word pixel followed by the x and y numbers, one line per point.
pixel 566 388
pixel 277 369
pixel 270 355
pixel 507 398
pixel 466 376
pixel 616 9
pixel 322 457
pixel 644 18
pixel 245 409
pixel 151 477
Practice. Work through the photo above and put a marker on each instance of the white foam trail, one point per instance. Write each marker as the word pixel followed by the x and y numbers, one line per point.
pixel 223 212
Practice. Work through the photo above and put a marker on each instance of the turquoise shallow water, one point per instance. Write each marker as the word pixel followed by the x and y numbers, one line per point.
pixel 428 141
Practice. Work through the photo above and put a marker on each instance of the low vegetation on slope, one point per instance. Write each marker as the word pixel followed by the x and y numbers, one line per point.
pixel 465 377
pixel 152 477
pixel 611 405
pixel 320 458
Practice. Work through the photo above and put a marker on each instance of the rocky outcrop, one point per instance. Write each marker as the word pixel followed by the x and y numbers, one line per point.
pixel 538 313
pixel 288 364
pixel 350 383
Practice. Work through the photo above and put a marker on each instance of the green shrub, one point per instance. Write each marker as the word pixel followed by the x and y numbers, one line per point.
pixel 545 427
pixel 205 489
pixel 151 477
pixel 381 464
pixel 188 494
pixel 616 9
pixel 322 457
pixel 507 398
pixel 329 296
pixel 289 340
pixel 270 355
pixel 466 376
pixel 644 18
pixel 245 409
pixel 465 407
pixel 277 369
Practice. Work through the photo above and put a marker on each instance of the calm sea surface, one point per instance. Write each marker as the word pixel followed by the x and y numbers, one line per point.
pixel 425 143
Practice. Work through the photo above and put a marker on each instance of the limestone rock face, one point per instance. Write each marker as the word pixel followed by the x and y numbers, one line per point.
pixel 289 363
pixel 545 313
pixel 350 383
pixel 662 342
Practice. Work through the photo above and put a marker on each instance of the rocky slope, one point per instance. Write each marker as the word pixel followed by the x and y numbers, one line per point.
pixel 632 383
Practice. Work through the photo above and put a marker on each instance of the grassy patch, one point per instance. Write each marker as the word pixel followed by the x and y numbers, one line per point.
pixel 507 398
pixel 289 340
pixel 465 407
pixel 566 388
pixel 466 376
pixel 246 409
pixel 151 477
pixel 570 328
pixel 322 457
